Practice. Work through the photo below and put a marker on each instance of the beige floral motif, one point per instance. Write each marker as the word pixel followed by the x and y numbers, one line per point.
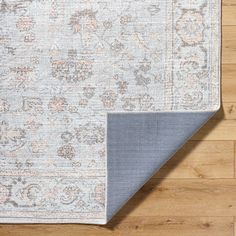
pixel 22 70
pixel 109 98
pixel 25 23
pixel 4 193
pixel 90 134
pixel 32 124
pixel 39 146
pixel 29 37
pixel 57 104
pixel 190 27
pixel 100 193
pixel 124 20
pixel 83 103
pixel 4 106
pixel 83 20
pixel 23 76
pixel 66 151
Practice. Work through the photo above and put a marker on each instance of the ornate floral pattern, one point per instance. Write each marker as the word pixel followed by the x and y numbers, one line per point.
pixel 190 27
pixel 57 104
pixel 66 66
pixel 4 194
pixel 90 134
pixel 25 23
pixel 72 69
pixel 4 106
pixel 84 20
pixel 66 151
pixel 108 98
pixel 11 138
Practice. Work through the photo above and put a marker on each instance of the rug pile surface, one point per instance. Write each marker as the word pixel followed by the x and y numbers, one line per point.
pixel 95 96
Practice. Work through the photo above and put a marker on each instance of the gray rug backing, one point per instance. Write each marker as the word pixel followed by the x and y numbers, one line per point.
pixel 138 146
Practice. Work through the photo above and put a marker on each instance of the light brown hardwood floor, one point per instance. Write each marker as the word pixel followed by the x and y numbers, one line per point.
pixel 194 194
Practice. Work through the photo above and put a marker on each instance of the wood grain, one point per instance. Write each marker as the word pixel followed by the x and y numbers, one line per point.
pixel 227 112
pixel 229 82
pixel 201 159
pixel 228 44
pixel 194 194
pixel 217 130
pixel 134 226
pixel 184 197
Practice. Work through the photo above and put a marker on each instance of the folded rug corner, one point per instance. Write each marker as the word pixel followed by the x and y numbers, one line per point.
pixel 95 96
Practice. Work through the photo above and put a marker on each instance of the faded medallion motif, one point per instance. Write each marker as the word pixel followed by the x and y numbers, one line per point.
pixel 64 65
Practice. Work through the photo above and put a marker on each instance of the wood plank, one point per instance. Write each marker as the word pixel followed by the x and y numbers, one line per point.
pixel 228 12
pixel 227 111
pixel 228 3
pixel 132 226
pixel 229 45
pixel 229 83
pixel 169 226
pixel 229 15
pixel 217 130
pixel 184 197
pixel 201 159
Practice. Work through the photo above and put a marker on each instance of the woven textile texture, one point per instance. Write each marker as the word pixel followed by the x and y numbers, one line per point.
pixel 65 66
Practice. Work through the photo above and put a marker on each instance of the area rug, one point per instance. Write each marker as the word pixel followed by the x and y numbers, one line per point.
pixel 95 97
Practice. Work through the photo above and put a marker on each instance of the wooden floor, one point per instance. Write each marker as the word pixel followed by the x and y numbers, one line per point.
pixel 195 193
